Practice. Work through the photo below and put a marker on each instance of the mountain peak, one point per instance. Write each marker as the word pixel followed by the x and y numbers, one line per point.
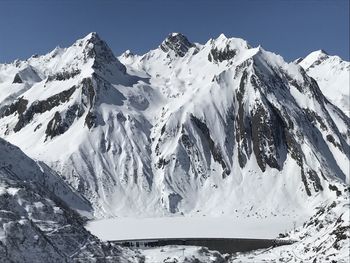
pixel 178 43
pixel 315 57
pixel 94 47
pixel 92 37
pixel 222 42
pixel 175 34
pixel 89 40
pixel 222 36
pixel 321 51
pixel 318 54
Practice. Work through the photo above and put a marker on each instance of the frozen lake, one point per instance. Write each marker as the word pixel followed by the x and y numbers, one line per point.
pixel 188 227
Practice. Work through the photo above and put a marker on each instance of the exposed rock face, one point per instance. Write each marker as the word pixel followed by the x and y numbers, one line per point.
pixel 214 150
pixel 98 49
pixel 267 137
pixel 42 106
pixel 221 55
pixel 242 137
pixel 65 75
pixel 174 200
pixel 58 124
pixel 17 79
pixel 177 43
pixel 89 93
pixel 18 107
pixel 54 127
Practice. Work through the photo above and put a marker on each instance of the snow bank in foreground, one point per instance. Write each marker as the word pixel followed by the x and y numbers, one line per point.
pixel 182 254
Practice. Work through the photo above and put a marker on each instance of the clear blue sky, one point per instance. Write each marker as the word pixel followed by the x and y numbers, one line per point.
pixel 292 28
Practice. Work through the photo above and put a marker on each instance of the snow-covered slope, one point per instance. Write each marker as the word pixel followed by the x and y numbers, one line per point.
pixel 38 226
pixel 332 75
pixel 212 129
pixel 325 237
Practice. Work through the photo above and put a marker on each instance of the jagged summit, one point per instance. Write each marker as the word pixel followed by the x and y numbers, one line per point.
pixel 223 41
pixel 94 47
pixel 178 43
pixel 91 38
pixel 93 51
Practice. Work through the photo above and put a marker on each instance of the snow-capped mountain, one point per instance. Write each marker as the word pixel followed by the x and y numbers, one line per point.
pixel 332 75
pixel 36 223
pixel 198 129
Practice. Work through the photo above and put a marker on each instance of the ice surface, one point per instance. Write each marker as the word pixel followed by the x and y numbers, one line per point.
pixel 190 227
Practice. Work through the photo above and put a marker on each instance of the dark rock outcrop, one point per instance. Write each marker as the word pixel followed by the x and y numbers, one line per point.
pixel 221 55
pixel 266 137
pixel 64 75
pixel 17 79
pixel 241 129
pixel 214 149
pixel 19 106
pixel 43 106
pixel 178 43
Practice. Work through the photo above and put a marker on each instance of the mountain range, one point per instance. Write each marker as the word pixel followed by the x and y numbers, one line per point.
pixel 187 129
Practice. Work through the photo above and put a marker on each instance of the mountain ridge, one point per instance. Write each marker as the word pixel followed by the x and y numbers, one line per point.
pixel 332 75
pixel 161 131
